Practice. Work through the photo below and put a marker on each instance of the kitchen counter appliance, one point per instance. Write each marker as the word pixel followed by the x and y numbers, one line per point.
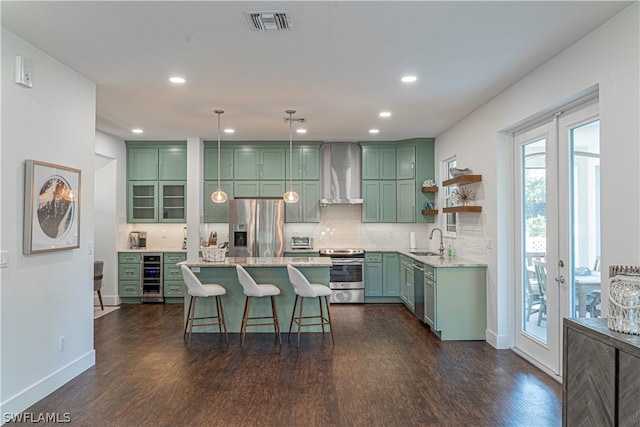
pixel 138 240
pixel 256 228
pixel 347 274
pixel 151 281
pixel 301 242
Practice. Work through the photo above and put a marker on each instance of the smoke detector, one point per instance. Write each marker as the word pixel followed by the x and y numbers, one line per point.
pixel 269 21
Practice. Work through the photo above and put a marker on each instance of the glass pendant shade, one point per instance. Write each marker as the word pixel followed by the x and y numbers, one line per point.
pixel 219 196
pixel 291 196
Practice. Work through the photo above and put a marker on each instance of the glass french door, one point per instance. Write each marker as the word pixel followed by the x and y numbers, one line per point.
pixel 557 230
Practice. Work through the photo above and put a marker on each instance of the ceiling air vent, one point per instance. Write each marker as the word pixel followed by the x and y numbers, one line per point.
pixel 269 21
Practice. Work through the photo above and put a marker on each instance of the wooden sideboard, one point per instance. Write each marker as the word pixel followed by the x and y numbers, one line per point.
pixel 601 375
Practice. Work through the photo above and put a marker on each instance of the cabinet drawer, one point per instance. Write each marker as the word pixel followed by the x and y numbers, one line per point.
pixel 129 258
pixel 129 272
pixel 373 257
pixel 173 289
pixel 174 258
pixel 171 272
pixel 129 289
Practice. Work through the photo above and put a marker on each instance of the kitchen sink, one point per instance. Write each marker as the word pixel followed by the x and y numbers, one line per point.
pixel 425 253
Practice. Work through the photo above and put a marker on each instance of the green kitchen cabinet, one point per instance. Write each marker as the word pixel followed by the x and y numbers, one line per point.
pixel 381 274
pixel 378 162
pixel 308 207
pixel 406 207
pixel 156 181
pixel 142 163
pixel 156 201
pixel 211 163
pixel 172 283
pixel 391 275
pixel 173 201
pixel 406 162
pixel 258 188
pixel 142 201
pixel 129 266
pixel 373 277
pixel 456 302
pixel 172 163
pixel 305 163
pixel 252 163
pixel 216 212
pixel 379 201
pixel 156 161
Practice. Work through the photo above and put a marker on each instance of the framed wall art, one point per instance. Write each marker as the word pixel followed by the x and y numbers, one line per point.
pixel 51 207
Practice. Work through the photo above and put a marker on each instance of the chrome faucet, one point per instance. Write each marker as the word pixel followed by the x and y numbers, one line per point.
pixel 441 242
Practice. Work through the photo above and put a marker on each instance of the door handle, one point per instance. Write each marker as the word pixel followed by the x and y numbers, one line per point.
pixel 560 280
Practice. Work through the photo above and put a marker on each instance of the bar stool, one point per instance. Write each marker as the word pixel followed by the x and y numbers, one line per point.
pixel 197 290
pixel 252 289
pixel 303 289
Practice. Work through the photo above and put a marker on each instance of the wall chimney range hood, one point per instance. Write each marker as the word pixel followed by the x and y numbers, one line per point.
pixel 340 164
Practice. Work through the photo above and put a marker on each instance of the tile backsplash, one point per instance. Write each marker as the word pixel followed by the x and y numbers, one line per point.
pixel 340 226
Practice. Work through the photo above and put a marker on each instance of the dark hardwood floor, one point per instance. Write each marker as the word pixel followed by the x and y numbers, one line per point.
pixel 384 370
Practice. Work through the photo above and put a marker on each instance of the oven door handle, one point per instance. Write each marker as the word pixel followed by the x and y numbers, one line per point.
pixel 341 261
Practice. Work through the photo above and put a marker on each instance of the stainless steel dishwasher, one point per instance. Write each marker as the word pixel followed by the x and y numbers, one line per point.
pixel 418 289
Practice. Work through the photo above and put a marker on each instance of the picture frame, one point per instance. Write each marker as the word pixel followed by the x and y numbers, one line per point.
pixel 51 207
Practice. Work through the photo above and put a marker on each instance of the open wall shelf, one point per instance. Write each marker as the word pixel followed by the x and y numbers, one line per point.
pixel 455 209
pixel 430 189
pixel 462 180
pixel 429 211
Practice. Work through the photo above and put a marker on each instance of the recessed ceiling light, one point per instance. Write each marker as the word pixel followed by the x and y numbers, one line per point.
pixel 374 130
pixel 177 79
pixel 385 114
pixel 409 79
pixel 229 130
pixel 301 130
pixel 137 130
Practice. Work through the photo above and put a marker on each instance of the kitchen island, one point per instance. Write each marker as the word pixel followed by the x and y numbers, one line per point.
pixel 271 270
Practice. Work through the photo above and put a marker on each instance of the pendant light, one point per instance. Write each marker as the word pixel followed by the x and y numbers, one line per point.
pixel 290 196
pixel 219 196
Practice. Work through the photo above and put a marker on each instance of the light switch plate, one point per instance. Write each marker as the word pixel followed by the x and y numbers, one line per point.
pixel 3 259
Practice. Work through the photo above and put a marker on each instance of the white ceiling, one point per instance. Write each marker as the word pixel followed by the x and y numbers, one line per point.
pixel 339 67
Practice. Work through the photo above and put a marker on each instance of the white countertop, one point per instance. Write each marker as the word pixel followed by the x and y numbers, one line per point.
pixel 433 261
pixel 261 262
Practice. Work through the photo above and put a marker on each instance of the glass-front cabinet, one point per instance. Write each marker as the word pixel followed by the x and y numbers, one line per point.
pixel 156 182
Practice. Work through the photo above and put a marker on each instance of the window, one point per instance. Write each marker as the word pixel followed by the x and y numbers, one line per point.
pixel 450 226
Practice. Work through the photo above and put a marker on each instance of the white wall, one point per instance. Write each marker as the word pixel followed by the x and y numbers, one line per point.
pixel 110 160
pixel 609 58
pixel 44 296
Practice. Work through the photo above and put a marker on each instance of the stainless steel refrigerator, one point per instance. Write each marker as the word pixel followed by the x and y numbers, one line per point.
pixel 256 227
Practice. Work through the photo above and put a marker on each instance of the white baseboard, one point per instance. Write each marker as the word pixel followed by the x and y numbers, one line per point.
pixel 32 394
pixel 106 300
pixel 500 342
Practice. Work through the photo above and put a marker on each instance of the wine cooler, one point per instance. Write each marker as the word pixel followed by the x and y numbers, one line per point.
pixel 151 282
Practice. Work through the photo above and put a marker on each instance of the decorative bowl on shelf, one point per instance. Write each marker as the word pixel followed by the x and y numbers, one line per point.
pixel 455 172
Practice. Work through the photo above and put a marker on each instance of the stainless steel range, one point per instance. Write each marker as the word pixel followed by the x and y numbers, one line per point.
pixel 347 274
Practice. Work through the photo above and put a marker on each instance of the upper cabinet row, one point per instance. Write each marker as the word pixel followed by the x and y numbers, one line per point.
pixel 257 163
pixel 392 176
